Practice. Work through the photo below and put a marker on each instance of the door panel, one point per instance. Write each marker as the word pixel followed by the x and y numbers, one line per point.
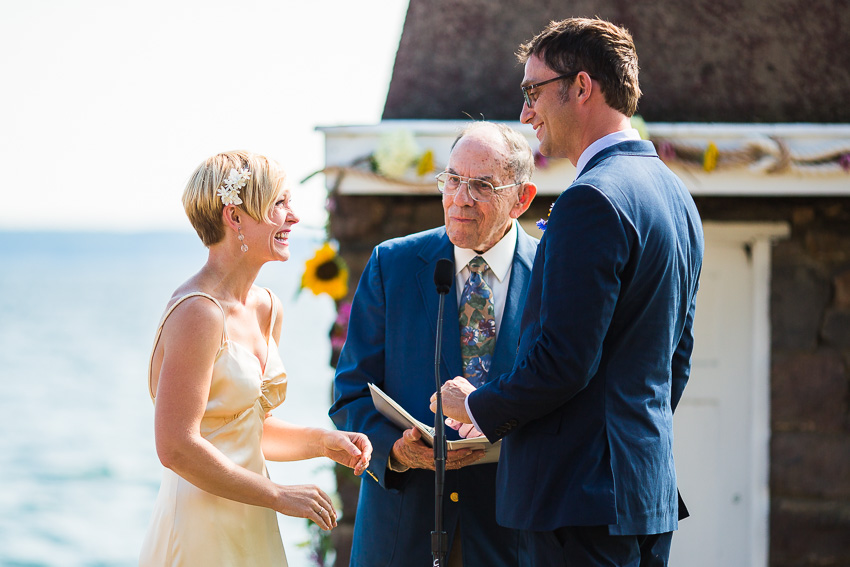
pixel 713 422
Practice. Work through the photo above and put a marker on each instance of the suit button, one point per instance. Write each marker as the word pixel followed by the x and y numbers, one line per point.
pixel 454 497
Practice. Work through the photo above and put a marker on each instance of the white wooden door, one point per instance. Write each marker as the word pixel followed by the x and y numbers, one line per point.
pixel 721 424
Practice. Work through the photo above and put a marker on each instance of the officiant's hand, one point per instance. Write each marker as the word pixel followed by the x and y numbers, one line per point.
pixel 454 397
pixel 411 452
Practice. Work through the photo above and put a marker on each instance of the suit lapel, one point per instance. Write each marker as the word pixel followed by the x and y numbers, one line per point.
pixel 508 340
pixel 429 298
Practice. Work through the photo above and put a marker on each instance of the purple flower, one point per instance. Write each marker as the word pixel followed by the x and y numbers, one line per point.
pixel 337 341
pixel 344 313
pixel 666 151
pixel 540 160
pixel 487 328
pixel 844 160
pixel 339 330
pixel 541 224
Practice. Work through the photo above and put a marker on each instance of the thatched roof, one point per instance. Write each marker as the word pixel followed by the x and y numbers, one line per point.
pixel 701 60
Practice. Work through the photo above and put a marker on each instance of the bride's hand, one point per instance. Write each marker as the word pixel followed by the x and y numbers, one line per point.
pixel 466 430
pixel 350 449
pixel 307 501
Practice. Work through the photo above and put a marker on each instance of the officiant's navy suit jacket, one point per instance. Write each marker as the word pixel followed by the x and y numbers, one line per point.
pixel 391 343
pixel 606 340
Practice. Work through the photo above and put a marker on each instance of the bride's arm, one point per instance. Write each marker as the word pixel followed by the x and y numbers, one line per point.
pixel 190 340
pixel 284 441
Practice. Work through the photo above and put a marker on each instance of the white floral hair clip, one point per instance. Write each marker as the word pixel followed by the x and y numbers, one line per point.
pixel 229 190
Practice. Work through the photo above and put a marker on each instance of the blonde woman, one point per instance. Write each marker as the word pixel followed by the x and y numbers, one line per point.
pixel 215 375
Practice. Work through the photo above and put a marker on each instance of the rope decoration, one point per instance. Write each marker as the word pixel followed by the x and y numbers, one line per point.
pixel 761 154
pixel 766 155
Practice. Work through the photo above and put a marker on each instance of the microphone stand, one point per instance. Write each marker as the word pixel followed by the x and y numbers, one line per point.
pixel 439 539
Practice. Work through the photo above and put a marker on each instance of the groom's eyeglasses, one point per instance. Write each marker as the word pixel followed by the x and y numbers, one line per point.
pixel 527 95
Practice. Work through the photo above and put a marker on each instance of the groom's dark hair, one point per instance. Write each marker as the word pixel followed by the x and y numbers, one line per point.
pixel 603 50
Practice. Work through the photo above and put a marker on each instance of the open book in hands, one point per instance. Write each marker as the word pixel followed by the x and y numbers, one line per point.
pixel 390 409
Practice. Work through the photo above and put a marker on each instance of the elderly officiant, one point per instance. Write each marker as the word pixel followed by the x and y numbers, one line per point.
pixel 391 340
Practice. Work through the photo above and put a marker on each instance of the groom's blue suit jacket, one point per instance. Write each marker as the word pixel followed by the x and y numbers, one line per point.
pixel 587 412
pixel 391 343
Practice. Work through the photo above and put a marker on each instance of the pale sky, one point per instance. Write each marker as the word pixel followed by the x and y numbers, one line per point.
pixel 107 106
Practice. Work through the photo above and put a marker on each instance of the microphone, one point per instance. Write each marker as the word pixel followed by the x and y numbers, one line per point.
pixel 443 276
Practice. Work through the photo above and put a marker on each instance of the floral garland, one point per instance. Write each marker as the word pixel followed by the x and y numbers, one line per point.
pixel 396 159
pixel 766 155
pixel 229 190
pixel 762 154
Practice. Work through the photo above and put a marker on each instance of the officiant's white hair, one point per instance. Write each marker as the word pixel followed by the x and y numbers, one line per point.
pixel 520 163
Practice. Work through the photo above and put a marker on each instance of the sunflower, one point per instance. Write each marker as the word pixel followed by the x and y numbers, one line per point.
pixel 327 273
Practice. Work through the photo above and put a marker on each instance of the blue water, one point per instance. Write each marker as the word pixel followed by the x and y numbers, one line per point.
pixel 78 312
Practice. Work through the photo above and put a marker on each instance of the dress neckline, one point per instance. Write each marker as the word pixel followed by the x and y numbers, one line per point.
pixel 225 336
pixel 263 365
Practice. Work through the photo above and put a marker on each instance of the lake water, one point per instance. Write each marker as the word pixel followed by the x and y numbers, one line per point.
pixel 78 313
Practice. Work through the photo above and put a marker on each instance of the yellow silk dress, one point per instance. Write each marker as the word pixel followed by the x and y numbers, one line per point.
pixel 192 527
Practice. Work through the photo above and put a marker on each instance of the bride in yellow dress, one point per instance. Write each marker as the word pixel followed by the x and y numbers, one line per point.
pixel 215 375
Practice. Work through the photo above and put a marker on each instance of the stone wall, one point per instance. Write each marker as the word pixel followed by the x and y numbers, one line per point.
pixel 810 380
pixel 810 328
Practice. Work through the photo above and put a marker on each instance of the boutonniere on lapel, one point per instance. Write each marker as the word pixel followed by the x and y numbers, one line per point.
pixel 541 224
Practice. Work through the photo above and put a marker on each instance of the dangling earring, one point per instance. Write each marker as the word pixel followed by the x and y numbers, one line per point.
pixel 244 246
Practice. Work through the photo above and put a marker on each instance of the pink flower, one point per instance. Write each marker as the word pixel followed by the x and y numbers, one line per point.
pixel 540 160
pixel 666 151
pixel 343 314
pixel 339 330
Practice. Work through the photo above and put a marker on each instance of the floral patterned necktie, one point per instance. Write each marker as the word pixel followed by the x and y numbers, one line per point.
pixel 477 324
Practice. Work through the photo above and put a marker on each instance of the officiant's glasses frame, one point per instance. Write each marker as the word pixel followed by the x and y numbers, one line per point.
pixel 480 190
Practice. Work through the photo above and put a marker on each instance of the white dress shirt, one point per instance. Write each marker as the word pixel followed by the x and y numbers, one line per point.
pixel 500 260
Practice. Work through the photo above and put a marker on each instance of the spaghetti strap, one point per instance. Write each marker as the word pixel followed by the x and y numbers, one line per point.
pixel 224 337
pixel 274 311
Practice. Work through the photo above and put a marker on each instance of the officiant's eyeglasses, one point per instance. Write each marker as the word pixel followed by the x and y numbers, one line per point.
pixel 527 96
pixel 480 190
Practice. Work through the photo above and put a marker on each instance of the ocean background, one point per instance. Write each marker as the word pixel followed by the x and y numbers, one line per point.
pixel 78 313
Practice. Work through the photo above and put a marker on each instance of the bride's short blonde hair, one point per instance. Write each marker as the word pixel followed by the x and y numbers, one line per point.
pixel 203 204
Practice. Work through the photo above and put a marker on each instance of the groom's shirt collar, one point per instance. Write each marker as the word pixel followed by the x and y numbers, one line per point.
pixel 603 143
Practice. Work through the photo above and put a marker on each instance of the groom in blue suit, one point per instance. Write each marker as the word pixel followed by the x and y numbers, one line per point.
pixel 391 342
pixel 586 468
